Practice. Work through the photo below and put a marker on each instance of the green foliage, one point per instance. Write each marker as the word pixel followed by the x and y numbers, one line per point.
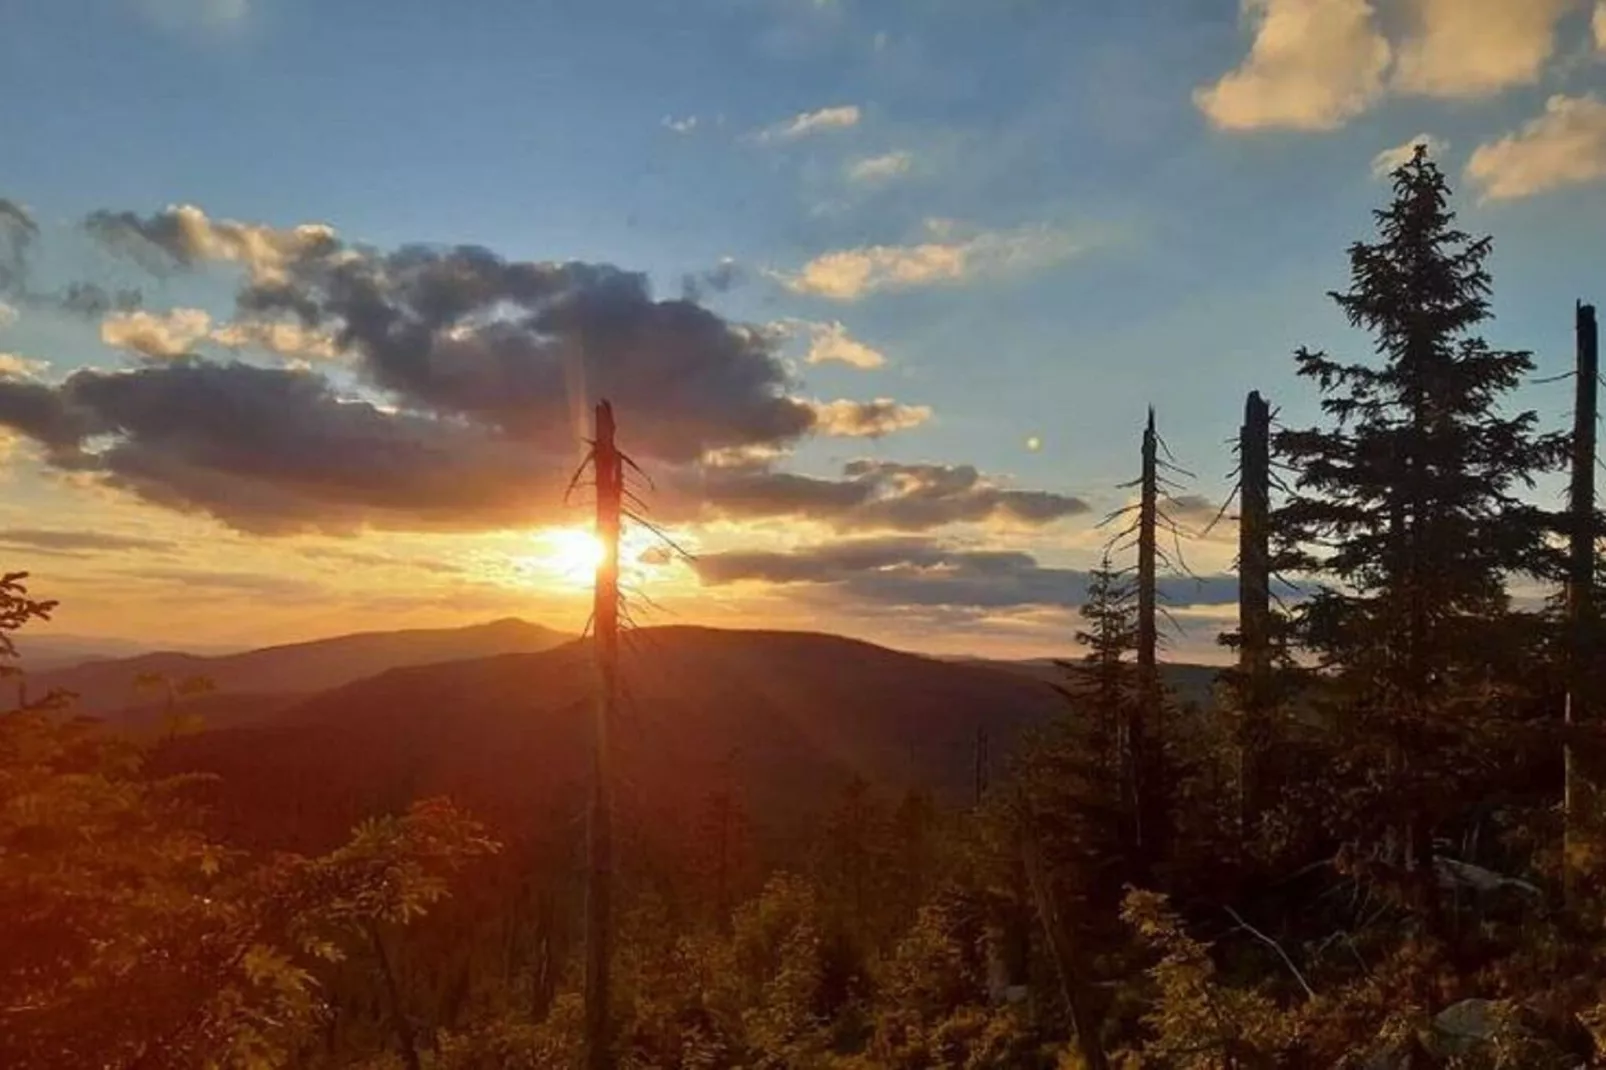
pixel 134 938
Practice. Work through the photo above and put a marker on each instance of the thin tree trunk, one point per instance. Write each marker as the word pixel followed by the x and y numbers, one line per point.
pixel 1254 603
pixel 1579 791
pixel 398 1013
pixel 1145 727
pixel 608 468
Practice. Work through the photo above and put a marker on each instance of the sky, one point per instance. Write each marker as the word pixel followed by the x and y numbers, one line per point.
pixel 303 306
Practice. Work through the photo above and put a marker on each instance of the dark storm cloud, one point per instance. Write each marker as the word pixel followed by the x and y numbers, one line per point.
pixel 522 346
pixel 276 451
pixel 42 413
pixel 269 450
pixel 927 572
pixel 883 495
pixel 476 376
pixel 79 542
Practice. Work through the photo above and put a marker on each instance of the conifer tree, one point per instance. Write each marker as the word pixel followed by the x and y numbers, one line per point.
pixel 1405 512
pixel 1105 684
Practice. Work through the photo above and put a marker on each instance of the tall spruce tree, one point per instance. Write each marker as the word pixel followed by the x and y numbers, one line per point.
pixel 1405 512
pixel 1104 683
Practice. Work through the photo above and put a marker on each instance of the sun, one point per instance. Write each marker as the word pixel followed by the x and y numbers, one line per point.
pixel 570 554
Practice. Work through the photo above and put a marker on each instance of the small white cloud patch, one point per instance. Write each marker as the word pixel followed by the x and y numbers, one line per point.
pixel 812 122
pixel 1564 146
pixel 830 343
pixel 1386 162
pixel 849 274
pixel 867 419
pixel 881 168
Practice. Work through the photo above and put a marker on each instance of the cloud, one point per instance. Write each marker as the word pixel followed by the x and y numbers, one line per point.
pixel 831 343
pixel 1388 161
pixel 272 451
pixel 1473 48
pixel 680 126
pixel 8 314
pixel 880 168
pixel 156 334
pixel 723 277
pixel 812 122
pixel 287 339
pixel 1313 65
pixel 1565 146
pixel 370 559
pixel 1597 24
pixel 270 586
pixel 177 331
pixel 867 419
pixel 17 233
pixel 183 236
pixel 849 274
pixel 929 572
pixel 462 399
pixel 463 395
pixel 65 541
pixel 13 366
pixel 883 496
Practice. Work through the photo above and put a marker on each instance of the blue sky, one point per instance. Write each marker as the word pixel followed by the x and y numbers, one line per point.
pixel 1043 216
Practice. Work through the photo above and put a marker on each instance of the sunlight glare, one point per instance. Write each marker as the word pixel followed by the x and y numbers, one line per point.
pixel 570 554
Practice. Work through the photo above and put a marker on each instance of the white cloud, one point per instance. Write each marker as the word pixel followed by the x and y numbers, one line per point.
pixel 285 338
pixel 830 343
pixel 16 367
pixel 680 126
pixel 848 274
pixel 8 314
pixel 880 168
pixel 1313 65
pixel 1564 146
pixel 156 334
pixel 1386 162
pixel 867 419
pixel 1472 48
pixel 812 122
pixel 178 331
pixel 185 234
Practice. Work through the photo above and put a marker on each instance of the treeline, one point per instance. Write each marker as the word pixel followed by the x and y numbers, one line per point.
pixel 1381 847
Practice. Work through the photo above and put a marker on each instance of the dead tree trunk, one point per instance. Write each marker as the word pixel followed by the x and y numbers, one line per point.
pixel 1145 727
pixel 1254 603
pixel 1579 790
pixel 608 468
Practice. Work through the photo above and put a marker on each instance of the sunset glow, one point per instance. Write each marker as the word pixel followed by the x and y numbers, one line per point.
pixel 569 555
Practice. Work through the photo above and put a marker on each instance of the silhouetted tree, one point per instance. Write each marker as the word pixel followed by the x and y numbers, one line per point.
pixel 1405 510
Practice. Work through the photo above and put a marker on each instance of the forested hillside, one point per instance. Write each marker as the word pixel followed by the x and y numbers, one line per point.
pixel 1379 846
